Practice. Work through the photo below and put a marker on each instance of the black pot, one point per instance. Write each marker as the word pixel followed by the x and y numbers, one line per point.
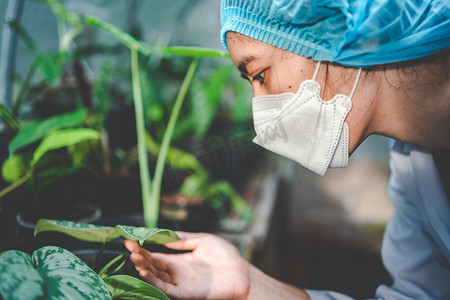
pixel 91 214
pixel 198 217
pixel 9 235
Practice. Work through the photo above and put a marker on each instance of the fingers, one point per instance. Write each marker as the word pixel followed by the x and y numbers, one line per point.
pixel 189 241
pixel 146 263
pixel 132 246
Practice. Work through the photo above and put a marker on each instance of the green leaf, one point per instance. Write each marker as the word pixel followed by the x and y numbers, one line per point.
pixel 50 65
pixel 50 273
pixel 119 35
pixel 14 168
pixel 36 131
pixel 194 185
pixel 82 231
pixel 18 277
pixel 96 233
pixel 63 138
pixel 147 235
pixel 176 158
pixel 127 287
pixel 194 52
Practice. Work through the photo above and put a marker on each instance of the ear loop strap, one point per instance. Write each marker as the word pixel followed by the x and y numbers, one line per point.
pixel 356 83
pixel 356 80
pixel 316 71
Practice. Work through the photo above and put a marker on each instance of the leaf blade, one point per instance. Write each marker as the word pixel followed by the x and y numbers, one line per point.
pixel 32 133
pixel 63 138
pixel 18 277
pixel 67 276
pixel 129 288
pixel 82 231
pixel 147 235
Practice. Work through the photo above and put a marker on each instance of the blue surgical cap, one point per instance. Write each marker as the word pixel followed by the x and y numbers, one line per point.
pixel 357 33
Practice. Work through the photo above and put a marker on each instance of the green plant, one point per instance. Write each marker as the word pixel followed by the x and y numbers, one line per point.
pixel 36 155
pixel 151 188
pixel 71 25
pixel 55 273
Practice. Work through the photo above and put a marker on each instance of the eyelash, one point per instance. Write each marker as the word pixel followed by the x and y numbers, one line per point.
pixel 258 77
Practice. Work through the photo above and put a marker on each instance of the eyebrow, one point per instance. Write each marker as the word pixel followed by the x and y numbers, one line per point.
pixel 243 63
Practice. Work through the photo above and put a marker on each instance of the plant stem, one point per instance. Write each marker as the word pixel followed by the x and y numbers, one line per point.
pixel 160 161
pixel 103 272
pixel 16 184
pixel 150 215
pixel 6 115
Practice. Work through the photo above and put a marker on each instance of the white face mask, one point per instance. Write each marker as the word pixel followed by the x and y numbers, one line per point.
pixel 303 127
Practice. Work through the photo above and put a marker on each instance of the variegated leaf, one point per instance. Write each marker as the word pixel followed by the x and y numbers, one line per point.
pixel 18 277
pixel 127 287
pixel 147 235
pixel 50 273
pixel 82 231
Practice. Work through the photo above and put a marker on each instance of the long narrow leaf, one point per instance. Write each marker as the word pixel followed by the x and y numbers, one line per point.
pixel 160 161
pixel 194 52
pixel 119 34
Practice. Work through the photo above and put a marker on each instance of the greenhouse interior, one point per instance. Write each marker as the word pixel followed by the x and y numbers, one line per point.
pixel 127 120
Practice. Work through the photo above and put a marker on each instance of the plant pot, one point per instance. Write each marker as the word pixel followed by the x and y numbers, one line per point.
pixel 77 212
pixel 8 236
pixel 178 212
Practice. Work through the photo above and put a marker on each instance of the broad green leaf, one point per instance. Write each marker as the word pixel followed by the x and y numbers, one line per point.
pixel 63 138
pixel 127 287
pixel 120 35
pixel 37 130
pixel 14 168
pixel 18 277
pixel 147 235
pixel 82 231
pixel 50 273
pixel 66 276
pixel 194 52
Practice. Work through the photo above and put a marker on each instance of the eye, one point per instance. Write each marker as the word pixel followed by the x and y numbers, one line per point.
pixel 259 77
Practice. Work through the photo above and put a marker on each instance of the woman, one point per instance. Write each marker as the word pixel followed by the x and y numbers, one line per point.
pixel 296 53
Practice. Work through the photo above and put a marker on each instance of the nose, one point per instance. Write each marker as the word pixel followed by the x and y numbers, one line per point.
pixel 259 91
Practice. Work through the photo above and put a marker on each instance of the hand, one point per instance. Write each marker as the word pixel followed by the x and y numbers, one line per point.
pixel 213 270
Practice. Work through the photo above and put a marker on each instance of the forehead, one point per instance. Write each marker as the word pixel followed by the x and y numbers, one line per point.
pixel 242 47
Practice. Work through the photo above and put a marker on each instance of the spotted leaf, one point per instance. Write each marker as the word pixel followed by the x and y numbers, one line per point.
pixel 82 231
pixel 18 277
pixel 50 273
pixel 147 235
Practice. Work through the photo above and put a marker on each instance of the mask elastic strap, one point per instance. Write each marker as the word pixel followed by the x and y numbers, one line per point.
pixel 356 83
pixel 316 71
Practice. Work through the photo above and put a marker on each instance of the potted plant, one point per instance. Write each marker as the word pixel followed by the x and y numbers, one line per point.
pixel 55 272
pixel 41 153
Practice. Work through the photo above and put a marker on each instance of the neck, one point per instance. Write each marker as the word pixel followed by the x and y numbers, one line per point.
pixel 416 113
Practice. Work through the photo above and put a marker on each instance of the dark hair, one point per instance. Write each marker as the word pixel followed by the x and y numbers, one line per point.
pixel 423 73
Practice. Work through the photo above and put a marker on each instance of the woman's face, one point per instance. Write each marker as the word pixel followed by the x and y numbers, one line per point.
pixel 272 70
